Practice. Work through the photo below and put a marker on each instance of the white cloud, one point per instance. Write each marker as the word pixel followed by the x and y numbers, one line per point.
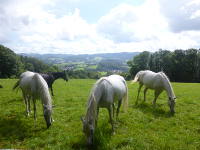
pixel 182 15
pixel 32 26
pixel 117 25
pixel 146 28
pixel 127 23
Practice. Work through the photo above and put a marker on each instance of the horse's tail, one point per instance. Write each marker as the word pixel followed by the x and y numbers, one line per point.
pixel 136 78
pixel 16 85
pixel 125 99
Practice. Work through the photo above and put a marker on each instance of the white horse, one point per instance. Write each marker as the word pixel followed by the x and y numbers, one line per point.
pixel 158 82
pixel 35 87
pixel 104 93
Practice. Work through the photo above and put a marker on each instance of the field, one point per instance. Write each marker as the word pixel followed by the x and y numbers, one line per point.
pixel 142 127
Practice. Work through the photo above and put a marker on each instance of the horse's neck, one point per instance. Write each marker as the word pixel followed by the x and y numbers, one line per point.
pixel 91 114
pixel 45 96
pixel 93 103
pixel 98 92
pixel 41 90
pixel 168 88
pixel 46 101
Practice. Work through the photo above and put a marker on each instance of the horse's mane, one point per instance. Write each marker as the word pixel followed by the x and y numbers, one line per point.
pixel 40 87
pixel 92 103
pixel 93 89
pixel 168 81
pixel 91 110
pixel 164 76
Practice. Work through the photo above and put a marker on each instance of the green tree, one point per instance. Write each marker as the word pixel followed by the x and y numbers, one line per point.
pixel 180 65
pixel 139 62
pixel 10 64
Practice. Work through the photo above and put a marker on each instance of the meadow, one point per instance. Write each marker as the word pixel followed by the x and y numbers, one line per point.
pixel 141 127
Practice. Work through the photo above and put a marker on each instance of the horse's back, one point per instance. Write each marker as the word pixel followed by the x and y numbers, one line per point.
pixel 25 80
pixel 116 81
pixel 38 82
pixel 26 74
pixel 30 82
pixel 118 84
pixel 113 88
pixel 152 80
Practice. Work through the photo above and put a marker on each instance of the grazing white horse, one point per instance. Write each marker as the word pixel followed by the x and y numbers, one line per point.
pixel 104 93
pixel 34 87
pixel 158 82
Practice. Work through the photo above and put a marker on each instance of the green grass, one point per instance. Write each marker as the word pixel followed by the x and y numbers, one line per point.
pixel 142 127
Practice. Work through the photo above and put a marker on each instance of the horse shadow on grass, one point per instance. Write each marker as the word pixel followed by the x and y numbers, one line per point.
pixel 103 134
pixel 11 101
pixel 14 128
pixel 156 111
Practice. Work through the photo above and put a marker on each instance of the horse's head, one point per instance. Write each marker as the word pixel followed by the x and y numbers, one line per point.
pixel 47 115
pixel 172 102
pixel 88 129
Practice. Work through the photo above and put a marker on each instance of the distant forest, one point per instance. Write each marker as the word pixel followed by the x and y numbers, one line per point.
pixel 179 65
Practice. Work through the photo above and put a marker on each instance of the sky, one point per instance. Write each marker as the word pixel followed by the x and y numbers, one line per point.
pixel 99 26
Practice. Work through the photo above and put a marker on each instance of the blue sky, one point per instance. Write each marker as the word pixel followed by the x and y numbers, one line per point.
pixel 91 10
pixel 99 26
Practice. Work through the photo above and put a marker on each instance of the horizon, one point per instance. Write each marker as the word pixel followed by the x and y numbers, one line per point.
pixel 75 54
pixel 76 27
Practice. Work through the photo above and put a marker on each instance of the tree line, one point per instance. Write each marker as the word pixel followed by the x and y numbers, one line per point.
pixel 179 65
pixel 12 65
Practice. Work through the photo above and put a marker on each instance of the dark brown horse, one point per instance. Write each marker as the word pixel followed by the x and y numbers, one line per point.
pixel 52 76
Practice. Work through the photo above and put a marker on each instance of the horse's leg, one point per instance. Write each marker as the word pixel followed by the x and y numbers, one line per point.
pixel 51 90
pixel 145 91
pixel 29 101
pixel 110 115
pixel 25 101
pixel 118 107
pixel 34 108
pixel 140 86
pixel 113 105
pixel 97 115
pixel 156 94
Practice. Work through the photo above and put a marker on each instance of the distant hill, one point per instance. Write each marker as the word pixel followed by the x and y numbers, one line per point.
pixel 96 62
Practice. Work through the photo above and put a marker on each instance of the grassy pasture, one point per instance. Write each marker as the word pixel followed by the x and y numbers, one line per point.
pixel 142 127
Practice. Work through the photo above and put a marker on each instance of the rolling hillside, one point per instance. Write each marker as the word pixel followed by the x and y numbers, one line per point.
pixel 95 62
